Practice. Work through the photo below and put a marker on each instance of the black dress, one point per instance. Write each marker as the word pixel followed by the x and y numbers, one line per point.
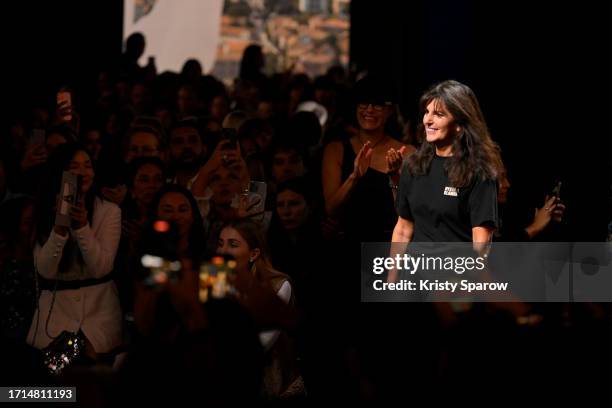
pixel 369 214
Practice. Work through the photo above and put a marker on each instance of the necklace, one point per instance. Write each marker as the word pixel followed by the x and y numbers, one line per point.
pixel 372 145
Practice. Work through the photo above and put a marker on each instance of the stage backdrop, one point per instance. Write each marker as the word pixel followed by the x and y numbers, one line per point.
pixel 175 31
pixel 306 35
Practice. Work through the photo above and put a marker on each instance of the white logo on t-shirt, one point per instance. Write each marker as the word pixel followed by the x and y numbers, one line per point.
pixel 450 191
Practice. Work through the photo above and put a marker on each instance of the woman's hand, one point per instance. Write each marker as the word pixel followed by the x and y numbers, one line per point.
pixel 65 113
pixel 362 161
pixel 78 214
pixel 224 156
pixel 549 211
pixel 249 205
pixel 221 156
pixel 395 159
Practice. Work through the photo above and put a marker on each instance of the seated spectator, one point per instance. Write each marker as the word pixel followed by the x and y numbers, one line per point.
pixel 142 141
pixel 219 107
pixel 295 233
pixel 155 312
pixel 287 163
pixel 146 177
pixel 186 152
pixel 93 141
pixel 189 103
pixel 260 286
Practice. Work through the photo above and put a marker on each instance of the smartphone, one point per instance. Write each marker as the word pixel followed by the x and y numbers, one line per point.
pixel 257 198
pixel 216 278
pixel 79 191
pixel 160 254
pixel 69 191
pixel 229 139
pixel 556 191
pixel 64 97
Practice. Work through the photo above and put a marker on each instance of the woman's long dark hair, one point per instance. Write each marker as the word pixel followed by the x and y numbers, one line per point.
pixel 475 155
pixel 59 161
pixel 197 235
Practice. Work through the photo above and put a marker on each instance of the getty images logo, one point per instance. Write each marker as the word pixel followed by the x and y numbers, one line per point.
pixel 450 191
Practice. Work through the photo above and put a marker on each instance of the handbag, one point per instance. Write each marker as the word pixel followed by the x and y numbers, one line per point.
pixel 63 351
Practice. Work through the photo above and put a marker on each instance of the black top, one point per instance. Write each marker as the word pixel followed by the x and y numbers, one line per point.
pixel 442 213
pixel 369 214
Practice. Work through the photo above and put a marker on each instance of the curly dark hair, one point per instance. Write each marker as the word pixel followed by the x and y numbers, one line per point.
pixel 475 155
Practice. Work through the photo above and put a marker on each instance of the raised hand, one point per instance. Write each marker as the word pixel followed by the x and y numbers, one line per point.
pixel 395 159
pixel 363 160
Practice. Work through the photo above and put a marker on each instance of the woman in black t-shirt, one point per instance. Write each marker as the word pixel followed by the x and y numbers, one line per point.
pixel 448 188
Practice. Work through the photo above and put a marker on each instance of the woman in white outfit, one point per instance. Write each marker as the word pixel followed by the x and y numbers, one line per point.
pixel 74 263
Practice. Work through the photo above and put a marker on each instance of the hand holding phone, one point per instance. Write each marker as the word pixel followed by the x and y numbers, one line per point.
pixel 67 198
pixel 251 203
pixel 217 278
pixel 64 105
pixel 556 193
pixel 78 213
pixel 160 241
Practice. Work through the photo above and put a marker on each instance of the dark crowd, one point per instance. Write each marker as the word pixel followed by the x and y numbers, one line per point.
pixel 282 177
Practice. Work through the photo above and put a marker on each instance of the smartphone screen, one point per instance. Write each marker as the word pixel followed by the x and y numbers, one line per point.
pixel 68 196
pixel 556 191
pixel 257 196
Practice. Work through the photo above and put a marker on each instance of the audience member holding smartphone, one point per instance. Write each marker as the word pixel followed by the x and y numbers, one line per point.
pixel 513 228
pixel 74 263
pixel 160 312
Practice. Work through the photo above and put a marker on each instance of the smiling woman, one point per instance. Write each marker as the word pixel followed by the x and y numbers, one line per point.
pixel 74 263
pixel 361 172
pixel 448 189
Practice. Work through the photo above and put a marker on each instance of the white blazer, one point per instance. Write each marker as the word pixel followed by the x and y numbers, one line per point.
pixel 93 309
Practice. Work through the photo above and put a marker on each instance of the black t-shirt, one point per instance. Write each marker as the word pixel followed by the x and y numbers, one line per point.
pixel 442 213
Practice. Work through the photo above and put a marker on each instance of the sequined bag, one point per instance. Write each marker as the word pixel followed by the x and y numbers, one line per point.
pixel 63 351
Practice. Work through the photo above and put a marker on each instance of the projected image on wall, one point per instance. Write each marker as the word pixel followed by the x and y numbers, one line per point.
pixel 303 35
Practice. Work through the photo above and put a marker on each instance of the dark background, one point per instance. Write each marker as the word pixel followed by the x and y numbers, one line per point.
pixel 537 69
